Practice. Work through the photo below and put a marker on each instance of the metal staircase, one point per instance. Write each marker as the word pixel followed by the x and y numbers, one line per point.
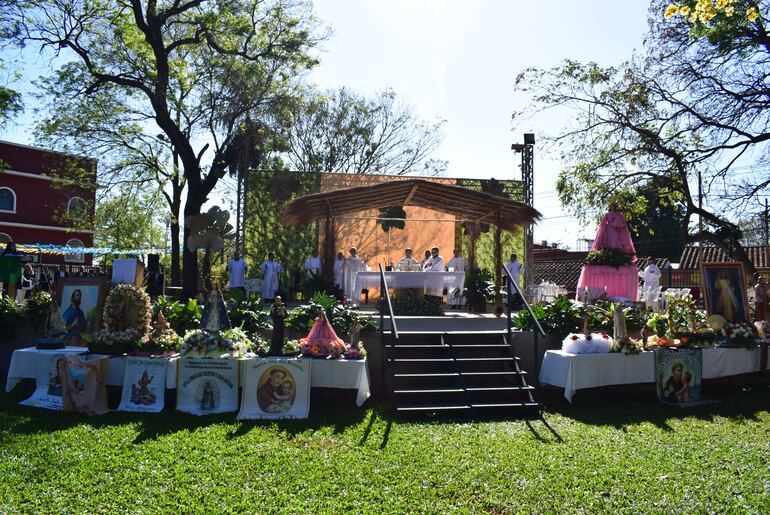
pixel 465 373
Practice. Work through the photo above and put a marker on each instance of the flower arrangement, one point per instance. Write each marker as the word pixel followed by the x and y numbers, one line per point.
pixel 126 338
pixel 608 256
pixel 587 343
pixel 626 345
pixel 261 346
pixel 37 309
pixel 330 349
pixel 740 334
pixel 235 342
pixel 355 352
pixel 664 341
pixel 291 348
pixel 199 342
pixel 161 340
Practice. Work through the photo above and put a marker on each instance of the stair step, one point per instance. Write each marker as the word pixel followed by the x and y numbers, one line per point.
pixel 493 373
pixel 499 388
pixel 447 407
pixel 422 360
pixel 439 374
pixel 417 346
pixel 508 358
pixel 507 405
pixel 482 346
pixel 431 390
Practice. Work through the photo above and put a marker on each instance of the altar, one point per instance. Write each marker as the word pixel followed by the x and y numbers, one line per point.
pixel 435 281
pixel 578 371
pixel 325 373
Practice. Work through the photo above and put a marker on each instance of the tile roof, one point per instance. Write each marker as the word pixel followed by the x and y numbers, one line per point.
pixel 758 254
pixel 567 272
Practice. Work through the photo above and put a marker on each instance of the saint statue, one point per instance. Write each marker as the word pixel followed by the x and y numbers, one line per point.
pixel 278 313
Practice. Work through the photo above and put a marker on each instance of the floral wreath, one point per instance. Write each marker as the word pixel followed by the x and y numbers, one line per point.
pixel 124 296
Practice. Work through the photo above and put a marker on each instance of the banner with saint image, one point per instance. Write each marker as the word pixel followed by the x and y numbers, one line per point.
pixel 144 385
pixel 276 388
pixel 205 386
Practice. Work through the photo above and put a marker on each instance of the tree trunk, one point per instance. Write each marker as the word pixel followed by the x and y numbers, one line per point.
pixel 176 269
pixel 190 257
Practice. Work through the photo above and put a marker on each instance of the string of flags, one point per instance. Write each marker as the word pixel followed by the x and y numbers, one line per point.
pixel 59 250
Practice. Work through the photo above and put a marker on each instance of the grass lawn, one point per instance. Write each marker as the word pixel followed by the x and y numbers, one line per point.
pixel 597 456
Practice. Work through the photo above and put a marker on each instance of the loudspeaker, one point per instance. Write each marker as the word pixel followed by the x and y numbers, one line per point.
pixel 153 262
pixel 529 138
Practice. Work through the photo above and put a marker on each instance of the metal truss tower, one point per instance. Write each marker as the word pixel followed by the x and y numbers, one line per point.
pixel 527 174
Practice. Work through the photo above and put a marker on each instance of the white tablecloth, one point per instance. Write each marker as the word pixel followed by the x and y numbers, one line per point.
pixel 328 373
pixel 422 280
pixel 576 371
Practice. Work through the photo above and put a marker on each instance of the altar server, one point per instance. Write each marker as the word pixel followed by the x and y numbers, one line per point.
pixel 338 264
pixel 272 271
pixel 237 268
pixel 651 274
pixel 353 265
pixel 457 263
pixel 514 267
pixel 434 264
pixel 312 265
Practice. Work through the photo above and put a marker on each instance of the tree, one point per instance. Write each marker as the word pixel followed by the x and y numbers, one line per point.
pixel 656 223
pixel 197 70
pixel 694 106
pixel 10 100
pixel 127 220
pixel 343 132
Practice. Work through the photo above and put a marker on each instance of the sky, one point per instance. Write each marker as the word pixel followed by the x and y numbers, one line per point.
pixel 457 61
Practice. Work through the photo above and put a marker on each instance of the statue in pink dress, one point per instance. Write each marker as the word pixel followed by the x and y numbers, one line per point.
pixel 613 233
pixel 619 281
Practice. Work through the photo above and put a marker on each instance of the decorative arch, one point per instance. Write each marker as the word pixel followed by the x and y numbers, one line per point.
pixel 74 258
pixel 7 200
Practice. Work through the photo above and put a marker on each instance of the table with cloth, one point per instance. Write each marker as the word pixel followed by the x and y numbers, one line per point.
pixel 622 281
pixel 436 281
pixel 325 373
pixel 577 371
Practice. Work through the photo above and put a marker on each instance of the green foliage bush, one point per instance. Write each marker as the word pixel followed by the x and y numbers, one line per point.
pixel 10 316
pixel 249 316
pixel 341 316
pixel 409 303
pixel 181 316
pixel 37 308
pixel 479 285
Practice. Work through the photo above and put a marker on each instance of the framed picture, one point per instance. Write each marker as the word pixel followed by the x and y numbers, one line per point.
pixel 81 300
pixel 724 291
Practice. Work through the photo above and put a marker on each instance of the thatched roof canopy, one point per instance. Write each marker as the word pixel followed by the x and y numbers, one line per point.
pixel 461 202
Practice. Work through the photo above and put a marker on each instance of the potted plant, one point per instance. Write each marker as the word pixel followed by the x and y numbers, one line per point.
pixel 479 289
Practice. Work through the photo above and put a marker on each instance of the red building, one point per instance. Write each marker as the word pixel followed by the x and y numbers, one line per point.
pixel 47 197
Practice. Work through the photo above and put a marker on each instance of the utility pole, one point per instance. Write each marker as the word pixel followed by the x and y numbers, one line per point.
pixel 700 219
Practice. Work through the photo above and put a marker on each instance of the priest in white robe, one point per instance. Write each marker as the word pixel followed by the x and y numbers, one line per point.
pixel 435 263
pixel 338 264
pixel 271 271
pixel 353 265
pixel 457 263
pixel 312 265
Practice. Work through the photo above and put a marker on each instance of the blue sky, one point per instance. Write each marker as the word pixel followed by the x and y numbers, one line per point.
pixel 457 61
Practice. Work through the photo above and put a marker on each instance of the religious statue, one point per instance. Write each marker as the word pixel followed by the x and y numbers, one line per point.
pixel 355 334
pixel 215 317
pixel 760 299
pixel 619 319
pixel 278 313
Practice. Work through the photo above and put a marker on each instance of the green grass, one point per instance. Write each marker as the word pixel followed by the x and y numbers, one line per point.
pixel 597 456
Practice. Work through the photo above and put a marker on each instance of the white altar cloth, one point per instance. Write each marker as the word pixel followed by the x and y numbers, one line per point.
pixel 576 371
pixel 421 280
pixel 325 373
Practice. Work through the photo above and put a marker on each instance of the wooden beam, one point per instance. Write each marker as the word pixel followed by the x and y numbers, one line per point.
pixel 410 195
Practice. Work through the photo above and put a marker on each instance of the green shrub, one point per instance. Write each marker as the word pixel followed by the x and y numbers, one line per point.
pixel 37 308
pixel 341 316
pixel 10 316
pixel 249 316
pixel 181 316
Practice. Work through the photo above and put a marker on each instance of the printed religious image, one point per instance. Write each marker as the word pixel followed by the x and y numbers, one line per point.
pixel 276 390
pixel 678 375
pixel 80 302
pixel 724 291
pixel 207 396
pixel 141 393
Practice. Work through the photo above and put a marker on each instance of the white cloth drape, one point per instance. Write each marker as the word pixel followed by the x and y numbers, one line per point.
pixel 353 265
pixel 338 263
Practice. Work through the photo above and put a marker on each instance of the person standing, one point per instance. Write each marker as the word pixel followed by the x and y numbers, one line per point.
pixel 425 260
pixel 271 271
pixel 406 263
pixel 312 265
pixel 651 274
pixel 338 265
pixel 435 263
pixel 353 265
pixel 457 263
pixel 237 268
pixel 514 268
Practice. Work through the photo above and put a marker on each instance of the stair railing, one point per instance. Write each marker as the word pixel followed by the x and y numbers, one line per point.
pixel 537 328
pixel 385 302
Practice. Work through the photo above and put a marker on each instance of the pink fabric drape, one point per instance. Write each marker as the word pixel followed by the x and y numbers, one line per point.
pixel 620 282
pixel 613 233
